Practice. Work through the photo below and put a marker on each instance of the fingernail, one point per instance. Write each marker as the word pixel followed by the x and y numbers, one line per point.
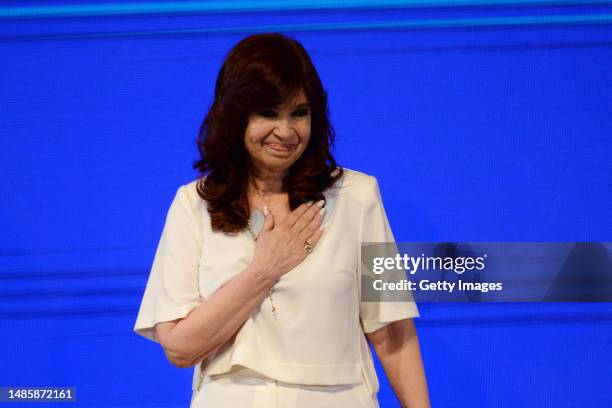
pixel 265 210
pixel 309 203
pixel 321 211
pixel 320 203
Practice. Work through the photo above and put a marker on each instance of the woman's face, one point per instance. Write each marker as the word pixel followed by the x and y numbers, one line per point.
pixel 276 137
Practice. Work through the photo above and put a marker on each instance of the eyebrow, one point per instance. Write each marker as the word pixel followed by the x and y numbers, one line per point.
pixel 298 106
pixel 302 105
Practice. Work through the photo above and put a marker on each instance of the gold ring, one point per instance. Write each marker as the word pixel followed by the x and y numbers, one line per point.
pixel 308 246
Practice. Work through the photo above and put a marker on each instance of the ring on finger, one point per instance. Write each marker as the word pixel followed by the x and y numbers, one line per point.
pixel 308 246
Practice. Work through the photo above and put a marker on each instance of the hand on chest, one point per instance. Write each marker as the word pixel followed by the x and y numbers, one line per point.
pixel 328 271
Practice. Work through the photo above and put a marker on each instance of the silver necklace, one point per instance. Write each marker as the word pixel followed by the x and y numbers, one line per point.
pixel 252 234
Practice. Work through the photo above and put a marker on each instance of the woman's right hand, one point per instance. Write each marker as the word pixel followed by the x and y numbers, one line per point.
pixel 281 247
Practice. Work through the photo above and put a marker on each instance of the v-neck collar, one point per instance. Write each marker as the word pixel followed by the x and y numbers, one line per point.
pixel 257 217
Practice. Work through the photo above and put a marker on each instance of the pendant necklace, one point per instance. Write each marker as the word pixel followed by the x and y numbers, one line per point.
pixel 254 237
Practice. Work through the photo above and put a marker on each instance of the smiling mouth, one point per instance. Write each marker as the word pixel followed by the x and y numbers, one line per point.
pixel 278 147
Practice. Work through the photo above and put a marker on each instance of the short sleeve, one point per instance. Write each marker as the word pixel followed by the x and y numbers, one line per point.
pixel 172 289
pixel 375 229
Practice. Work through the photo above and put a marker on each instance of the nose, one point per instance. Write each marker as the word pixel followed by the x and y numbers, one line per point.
pixel 284 130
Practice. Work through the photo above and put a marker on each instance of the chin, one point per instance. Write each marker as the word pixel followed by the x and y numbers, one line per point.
pixel 278 163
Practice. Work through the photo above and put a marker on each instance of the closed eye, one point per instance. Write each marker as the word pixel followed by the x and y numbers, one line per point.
pixel 301 112
pixel 267 113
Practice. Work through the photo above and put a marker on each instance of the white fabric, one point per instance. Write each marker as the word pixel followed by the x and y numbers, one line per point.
pixel 247 388
pixel 318 338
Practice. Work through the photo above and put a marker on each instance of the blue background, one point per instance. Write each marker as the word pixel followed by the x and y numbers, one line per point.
pixel 482 120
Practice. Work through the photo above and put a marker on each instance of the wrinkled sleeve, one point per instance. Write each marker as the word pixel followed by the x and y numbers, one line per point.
pixel 377 309
pixel 172 289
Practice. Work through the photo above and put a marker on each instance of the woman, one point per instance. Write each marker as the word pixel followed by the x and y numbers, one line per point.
pixel 256 279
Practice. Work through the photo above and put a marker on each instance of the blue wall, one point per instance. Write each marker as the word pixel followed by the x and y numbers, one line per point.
pixel 483 121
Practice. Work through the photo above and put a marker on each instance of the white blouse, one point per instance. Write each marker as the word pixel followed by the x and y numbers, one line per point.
pixel 318 335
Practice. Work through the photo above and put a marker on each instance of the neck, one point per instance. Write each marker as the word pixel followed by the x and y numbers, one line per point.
pixel 268 181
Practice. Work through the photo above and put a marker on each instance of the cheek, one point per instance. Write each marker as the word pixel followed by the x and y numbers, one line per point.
pixel 303 130
pixel 256 132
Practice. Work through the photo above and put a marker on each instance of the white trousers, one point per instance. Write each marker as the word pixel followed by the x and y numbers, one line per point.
pixel 246 388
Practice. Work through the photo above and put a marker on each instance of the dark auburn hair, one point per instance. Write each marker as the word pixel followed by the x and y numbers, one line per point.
pixel 261 71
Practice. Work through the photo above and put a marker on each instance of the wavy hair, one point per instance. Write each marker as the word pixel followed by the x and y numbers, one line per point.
pixel 260 71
